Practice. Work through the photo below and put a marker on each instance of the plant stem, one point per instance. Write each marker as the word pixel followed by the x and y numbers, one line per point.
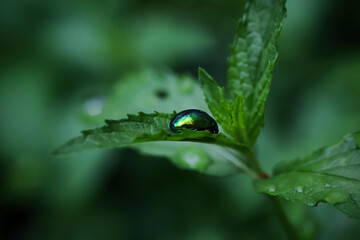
pixel 238 163
pixel 289 229
pixel 254 163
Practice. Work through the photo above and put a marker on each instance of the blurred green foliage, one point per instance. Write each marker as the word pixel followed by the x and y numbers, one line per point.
pixel 60 60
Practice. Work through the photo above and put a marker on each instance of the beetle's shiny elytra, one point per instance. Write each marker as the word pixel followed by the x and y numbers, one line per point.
pixel 193 119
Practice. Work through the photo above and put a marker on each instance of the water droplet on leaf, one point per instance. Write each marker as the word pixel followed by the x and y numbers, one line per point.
pixel 94 106
pixel 272 189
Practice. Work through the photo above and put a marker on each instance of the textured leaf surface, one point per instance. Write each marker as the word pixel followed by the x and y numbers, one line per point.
pixel 216 100
pixel 140 128
pixel 238 128
pixel 230 116
pixel 155 127
pixel 252 59
pixel 330 175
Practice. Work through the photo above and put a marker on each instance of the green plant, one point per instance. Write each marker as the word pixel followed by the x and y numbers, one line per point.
pixel 327 175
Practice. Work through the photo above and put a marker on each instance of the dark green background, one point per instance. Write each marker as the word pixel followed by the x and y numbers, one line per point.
pixel 56 55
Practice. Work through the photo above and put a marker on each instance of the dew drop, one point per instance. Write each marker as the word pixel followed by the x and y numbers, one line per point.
pixel 327 185
pixel 299 190
pixel 272 189
pixel 94 106
pixel 192 159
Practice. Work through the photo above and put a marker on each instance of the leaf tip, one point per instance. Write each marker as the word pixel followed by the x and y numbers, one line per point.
pixel 201 75
pixel 58 152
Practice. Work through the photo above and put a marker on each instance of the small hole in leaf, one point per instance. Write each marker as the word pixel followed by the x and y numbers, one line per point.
pixel 162 94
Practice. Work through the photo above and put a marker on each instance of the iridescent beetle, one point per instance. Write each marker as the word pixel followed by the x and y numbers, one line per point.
pixel 193 119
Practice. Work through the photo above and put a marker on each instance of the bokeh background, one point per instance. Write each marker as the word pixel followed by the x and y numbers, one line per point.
pixel 61 61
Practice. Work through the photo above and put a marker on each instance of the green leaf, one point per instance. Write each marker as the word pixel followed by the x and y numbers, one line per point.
pixel 330 175
pixel 140 128
pixel 216 100
pixel 238 128
pixel 154 127
pixel 230 117
pixel 252 59
pixel 141 89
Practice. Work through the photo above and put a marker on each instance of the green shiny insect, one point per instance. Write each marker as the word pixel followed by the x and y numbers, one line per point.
pixel 193 119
